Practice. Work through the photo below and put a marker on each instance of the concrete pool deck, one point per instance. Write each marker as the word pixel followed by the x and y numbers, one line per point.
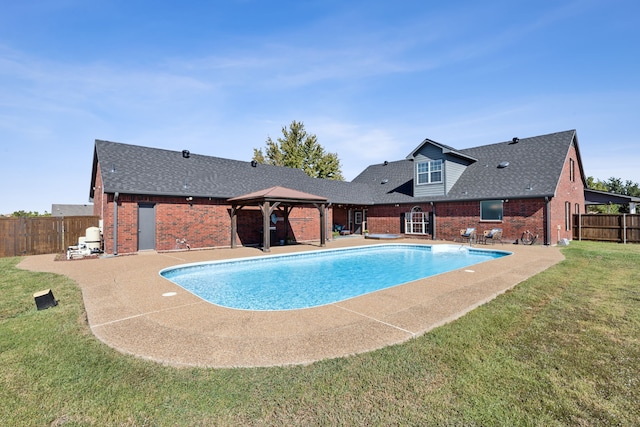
pixel 126 309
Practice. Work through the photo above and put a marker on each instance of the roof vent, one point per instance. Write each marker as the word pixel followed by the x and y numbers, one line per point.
pixel 515 140
pixel 384 181
pixel 254 163
pixel 186 154
pixel 503 165
pixel 386 163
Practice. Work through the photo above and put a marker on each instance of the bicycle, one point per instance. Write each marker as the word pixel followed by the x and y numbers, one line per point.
pixel 528 238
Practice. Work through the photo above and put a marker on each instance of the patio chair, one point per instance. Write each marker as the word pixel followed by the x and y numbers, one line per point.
pixel 341 229
pixel 493 235
pixel 468 234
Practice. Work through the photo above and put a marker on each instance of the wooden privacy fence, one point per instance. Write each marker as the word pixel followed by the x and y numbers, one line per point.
pixel 42 235
pixel 622 228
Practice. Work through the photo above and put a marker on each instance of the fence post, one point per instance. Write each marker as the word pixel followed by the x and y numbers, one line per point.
pixel 579 227
pixel 22 241
pixel 624 228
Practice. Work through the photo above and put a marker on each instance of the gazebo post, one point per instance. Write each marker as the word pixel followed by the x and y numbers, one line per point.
pixel 266 235
pixel 267 209
pixel 268 200
pixel 234 226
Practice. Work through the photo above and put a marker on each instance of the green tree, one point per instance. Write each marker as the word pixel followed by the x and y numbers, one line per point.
pixel 30 214
pixel 298 149
pixel 594 184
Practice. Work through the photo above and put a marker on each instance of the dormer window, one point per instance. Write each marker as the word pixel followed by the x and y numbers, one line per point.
pixel 429 172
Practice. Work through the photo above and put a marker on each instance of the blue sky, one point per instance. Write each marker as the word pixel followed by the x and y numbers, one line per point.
pixel 371 79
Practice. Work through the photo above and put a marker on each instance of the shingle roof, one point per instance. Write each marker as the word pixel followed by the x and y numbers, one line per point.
pixel 389 182
pixel 71 210
pixel 135 169
pixel 534 168
pixel 445 149
pixel 338 192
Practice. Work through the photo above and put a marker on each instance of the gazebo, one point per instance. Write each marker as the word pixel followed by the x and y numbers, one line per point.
pixel 270 199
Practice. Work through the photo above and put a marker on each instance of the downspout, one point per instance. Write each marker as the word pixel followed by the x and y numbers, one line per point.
pixel 115 222
pixel 433 221
pixel 547 233
pixel 328 229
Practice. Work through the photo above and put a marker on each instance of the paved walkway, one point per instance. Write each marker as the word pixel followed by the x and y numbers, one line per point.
pixel 126 309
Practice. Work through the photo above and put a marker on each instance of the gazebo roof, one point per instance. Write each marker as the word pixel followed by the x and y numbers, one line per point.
pixel 278 194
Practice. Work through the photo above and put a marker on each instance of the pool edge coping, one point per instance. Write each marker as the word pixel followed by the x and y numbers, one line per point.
pixel 120 290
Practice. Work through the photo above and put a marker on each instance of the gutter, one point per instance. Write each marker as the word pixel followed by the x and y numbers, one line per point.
pixel 433 221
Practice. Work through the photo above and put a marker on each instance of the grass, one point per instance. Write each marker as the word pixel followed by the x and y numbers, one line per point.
pixel 562 348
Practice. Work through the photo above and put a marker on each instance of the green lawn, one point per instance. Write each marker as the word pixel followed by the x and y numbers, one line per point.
pixel 562 348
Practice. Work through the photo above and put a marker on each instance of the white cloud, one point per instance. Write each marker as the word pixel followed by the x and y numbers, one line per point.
pixel 369 80
pixel 357 144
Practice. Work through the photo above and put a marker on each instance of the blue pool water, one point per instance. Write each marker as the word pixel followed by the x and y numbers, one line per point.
pixel 302 280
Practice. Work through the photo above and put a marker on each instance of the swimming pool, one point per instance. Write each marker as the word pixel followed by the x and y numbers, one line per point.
pixel 310 279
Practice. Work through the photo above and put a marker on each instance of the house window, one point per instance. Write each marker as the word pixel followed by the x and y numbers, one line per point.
pixel 416 221
pixel 491 210
pixel 572 170
pixel 567 216
pixel 429 172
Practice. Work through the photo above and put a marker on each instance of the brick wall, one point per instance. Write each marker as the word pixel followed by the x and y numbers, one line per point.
pixel 303 225
pixel 519 215
pixel 388 219
pixel 568 190
pixel 98 197
pixel 201 223
pixel 340 217
pixel 206 223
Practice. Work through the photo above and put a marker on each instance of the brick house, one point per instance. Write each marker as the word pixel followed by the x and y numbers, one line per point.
pixel 158 199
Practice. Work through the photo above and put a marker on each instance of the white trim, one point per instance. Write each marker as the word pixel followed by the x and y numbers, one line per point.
pixel 416 221
pixel 429 172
